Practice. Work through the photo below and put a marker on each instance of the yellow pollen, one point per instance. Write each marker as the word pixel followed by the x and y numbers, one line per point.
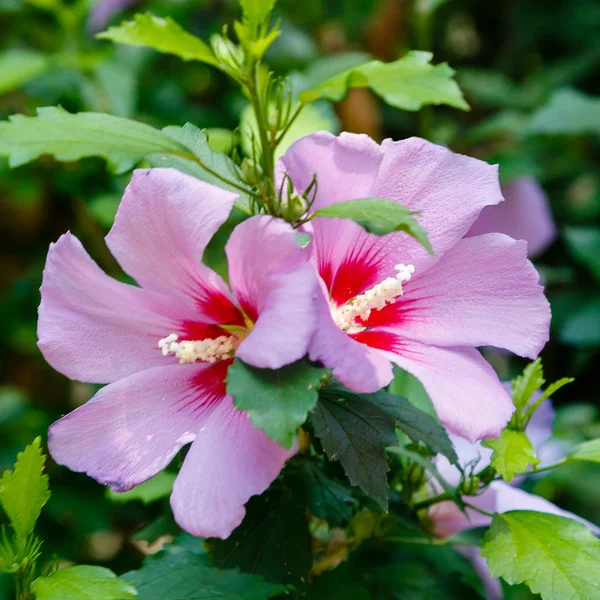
pixel 208 350
pixel 376 298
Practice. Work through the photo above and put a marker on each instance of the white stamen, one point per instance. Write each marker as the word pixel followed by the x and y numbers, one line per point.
pixel 376 298
pixel 208 350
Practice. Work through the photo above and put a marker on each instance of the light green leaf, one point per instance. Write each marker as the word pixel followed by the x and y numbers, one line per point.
pixel 556 557
pixel 178 574
pixel 204 163
pixel 408 83
pixel 588 451
pixel 277 401
pixel 162 34
pixel 567 112
pixel 67 136
pixel 526 384
pixel 24 491
pixel 83 582
pixel 19 66
pixel 584 244
pixel 513 453
pixel 158 487
pixel 379 216
pixel 256 11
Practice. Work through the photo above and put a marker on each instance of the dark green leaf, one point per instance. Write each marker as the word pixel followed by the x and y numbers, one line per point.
pixel 584 244
pixel 161 34
pixel 176 574
pixel 277 401
pixel 407 385
pixel 24 491
pixel 272 541
pixel 325 498
pixel 418 425
pixel 343 582
pixel 567 112
pixel 513 453
pixel 83 582
pixel 356 432
pixel 379 216
pixel 556 557
pixel 408 83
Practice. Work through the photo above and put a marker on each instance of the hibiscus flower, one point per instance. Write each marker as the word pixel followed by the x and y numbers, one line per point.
pixel 385 300
pixel 164 348
pixel 500 496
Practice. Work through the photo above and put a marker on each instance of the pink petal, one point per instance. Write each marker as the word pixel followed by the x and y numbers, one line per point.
pixel 229 462
pixel 275 284
pixel 524 215
pixel 94 328
pixel 483 292
pixel 163 225
pixel 449 189
pixel 356 365
pixel 130 430
pixel 467 395
pixel 102 12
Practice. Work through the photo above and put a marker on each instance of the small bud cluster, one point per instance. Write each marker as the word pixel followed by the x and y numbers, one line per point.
pixel 208 350
pixel 376 298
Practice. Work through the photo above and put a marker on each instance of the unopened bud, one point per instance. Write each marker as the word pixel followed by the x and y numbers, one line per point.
pixel 414 476
pixel 469 486
pixel 293 207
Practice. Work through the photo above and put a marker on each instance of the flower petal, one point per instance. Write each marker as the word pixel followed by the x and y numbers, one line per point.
pixel 94 328
pixel 465 391
pixel 355 364
pixel 483 292
pixel 229 462
pixel 524 215
pixel 130 430
pixel 275 285
pixel 163 225
pixel 448 189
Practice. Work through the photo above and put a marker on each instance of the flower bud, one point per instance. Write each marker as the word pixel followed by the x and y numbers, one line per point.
pixel 469 486
pixel 293 207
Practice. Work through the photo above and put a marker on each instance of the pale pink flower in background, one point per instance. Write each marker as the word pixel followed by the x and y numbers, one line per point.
pixel 524 215
pixel 386 300
pixel 104 10
pixel 500 496
pixel 164 348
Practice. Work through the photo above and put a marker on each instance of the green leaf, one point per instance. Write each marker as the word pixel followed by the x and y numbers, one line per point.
pixel 513 453
pixel 277 401
pixel 416 424
pixel 204 163
pixel 343 582
pixel 256 11
pixel 379 216
pixel 325 498
pixel 67 136
pixel 408 386
pixel 556 557
pixel 526 384
pixel 178 574
pixel 158 487
pixel 19 66
pixel 24 491
pixel 272 541
pixel 162 34
pixel 84 583
pixel 356 432
pixel 588 451
pixel 584 244
pixel 408 83
pixel 567 112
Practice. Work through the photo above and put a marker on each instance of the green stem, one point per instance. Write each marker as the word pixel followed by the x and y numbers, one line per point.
pixel 297 112
pixel 479 510
pixel 546 468
pixel 431 501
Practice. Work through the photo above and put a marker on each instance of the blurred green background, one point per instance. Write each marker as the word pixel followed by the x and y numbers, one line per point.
pixel 519 62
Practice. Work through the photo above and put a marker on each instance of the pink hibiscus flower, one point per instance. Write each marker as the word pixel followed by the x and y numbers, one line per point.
pixel 524 215
pixel 500 496
pixel 164 348
pixel 387 301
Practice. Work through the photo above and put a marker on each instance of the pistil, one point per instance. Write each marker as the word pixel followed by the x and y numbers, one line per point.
pixel 208 350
